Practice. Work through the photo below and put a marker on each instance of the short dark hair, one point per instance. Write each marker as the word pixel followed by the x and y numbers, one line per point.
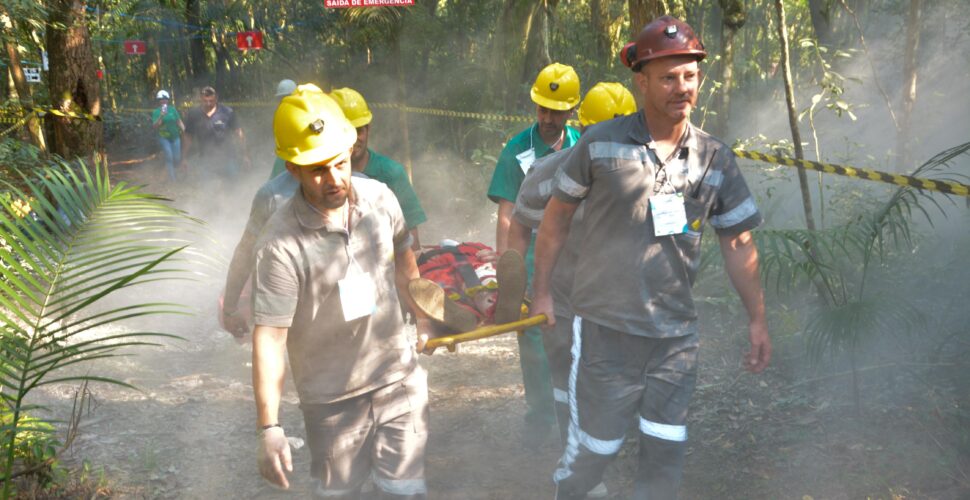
pixel 208 91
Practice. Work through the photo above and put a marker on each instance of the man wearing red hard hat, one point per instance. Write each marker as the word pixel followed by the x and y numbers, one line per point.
pixel 651 181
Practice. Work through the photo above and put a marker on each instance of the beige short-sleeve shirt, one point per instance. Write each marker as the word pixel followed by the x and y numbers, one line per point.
pixel 300 259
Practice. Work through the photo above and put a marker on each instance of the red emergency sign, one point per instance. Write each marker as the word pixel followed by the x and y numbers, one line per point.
pixel 249 40
pixel 336 4
pixel 135 47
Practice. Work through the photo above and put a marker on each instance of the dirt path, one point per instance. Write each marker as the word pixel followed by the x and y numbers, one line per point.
pixel 190 434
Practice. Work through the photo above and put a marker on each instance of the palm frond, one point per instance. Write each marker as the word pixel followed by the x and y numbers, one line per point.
pixel 84 241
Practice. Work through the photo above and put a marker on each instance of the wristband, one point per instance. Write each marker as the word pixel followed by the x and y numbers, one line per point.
pixel 265 428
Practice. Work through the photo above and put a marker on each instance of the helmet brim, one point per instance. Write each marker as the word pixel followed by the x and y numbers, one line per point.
pixel 553 104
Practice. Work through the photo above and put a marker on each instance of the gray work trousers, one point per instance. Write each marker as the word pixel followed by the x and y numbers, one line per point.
pixel 615 378
pixel 558 345
pixel 381 435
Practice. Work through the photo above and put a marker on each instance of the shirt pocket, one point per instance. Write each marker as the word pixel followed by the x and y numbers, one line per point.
pixel 689 242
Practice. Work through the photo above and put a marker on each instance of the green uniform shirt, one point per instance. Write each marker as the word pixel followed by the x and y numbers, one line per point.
pixel 508 175
pixel 169 128
pixel 391 173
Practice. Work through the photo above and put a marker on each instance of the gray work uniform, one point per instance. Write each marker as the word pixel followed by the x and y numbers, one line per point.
pixel 635 332
pixel 530 204
pixel 363 395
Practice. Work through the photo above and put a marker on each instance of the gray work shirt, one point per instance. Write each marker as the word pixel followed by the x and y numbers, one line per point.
pixel 530 205
pixel 626 278
pixel 301 257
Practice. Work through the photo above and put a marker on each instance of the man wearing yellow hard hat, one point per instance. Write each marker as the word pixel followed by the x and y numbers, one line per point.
pixel 556 94
pixel 377 166
pixel 324 292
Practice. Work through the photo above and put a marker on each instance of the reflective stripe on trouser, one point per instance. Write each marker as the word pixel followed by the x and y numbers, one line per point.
pixel 535 378
pixel 557 344
pixel 615 380
pixel 381 435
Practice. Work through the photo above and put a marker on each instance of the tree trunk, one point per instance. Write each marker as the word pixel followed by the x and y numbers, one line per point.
pixel 153 64
pixel 193 17
pixel 20 86
pixel 599 20
pixel 732 19
pixel 642 12
pixel 508 47
pixel 793 114
pixel 537 46
pixel 914 23
pixel 73 84
pixel 824 15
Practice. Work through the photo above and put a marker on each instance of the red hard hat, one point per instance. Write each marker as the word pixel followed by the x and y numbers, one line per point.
pixel 664 36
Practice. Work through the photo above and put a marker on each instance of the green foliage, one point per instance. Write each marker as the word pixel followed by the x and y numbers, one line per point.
pixel 837 264
pixel 84 240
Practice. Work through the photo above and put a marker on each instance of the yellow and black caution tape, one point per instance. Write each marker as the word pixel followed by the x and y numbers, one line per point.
pixel 14 113
pixel 460 114
pixel 41 111
pixel 17 124
pixel 948 187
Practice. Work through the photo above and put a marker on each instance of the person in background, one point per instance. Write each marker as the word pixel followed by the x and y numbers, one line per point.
pixel 168 124
pixel 556 94
pixel 214 138
pixel 649 183
pixel 377 166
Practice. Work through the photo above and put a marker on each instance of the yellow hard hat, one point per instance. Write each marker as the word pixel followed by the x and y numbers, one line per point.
pixel 310 127
pixel 354 106
pixel 605 101
pixel 556 87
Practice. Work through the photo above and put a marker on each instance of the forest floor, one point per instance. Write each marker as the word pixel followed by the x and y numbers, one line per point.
pixel 189 431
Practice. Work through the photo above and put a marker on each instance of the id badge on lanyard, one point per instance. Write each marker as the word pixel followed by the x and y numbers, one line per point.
pixel 526 159
pixel 358 294
pixel 669 214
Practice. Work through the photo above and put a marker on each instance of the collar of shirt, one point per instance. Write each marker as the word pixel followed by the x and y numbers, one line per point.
pixel 641 135
pixel 311 218
pixel 540 146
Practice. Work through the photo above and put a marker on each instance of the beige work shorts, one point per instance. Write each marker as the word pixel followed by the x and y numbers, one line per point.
pixel 380 435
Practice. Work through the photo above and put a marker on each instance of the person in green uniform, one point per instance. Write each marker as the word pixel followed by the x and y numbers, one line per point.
pixel 377 166
pixel 556 94
pixel 167 122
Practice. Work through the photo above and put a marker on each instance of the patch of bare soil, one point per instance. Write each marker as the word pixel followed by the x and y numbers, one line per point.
pixel 189 432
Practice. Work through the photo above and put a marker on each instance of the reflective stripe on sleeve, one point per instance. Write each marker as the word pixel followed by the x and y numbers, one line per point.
pixel 736 215
pixel 572 188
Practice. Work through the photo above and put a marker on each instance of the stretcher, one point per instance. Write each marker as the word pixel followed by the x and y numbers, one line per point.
pixel 450 341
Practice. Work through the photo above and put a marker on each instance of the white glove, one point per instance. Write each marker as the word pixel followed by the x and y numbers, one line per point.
pixel 273 457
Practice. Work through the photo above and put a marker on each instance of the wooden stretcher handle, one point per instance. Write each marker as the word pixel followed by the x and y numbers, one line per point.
pixel 450 341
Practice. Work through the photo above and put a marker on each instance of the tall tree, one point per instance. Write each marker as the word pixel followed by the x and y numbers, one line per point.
pixel 537 48
pixel 73 83
pixel 732 19
pixel 913 26
pixel 19 80
pixel 197 35
pixel 642 12
pixel 599 20
pixel 508 45
pixel 793 113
